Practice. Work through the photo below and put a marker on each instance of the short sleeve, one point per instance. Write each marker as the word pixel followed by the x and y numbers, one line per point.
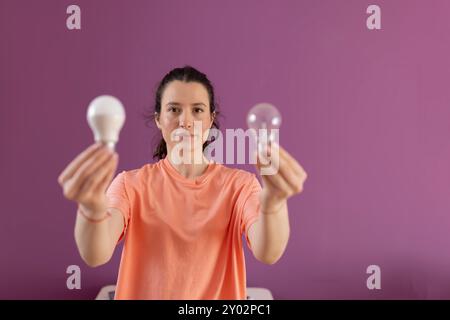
pixel 250 205
pixel 117 198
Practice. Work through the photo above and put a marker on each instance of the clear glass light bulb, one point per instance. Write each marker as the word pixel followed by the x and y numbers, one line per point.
pixel 106 116
pixel 264 116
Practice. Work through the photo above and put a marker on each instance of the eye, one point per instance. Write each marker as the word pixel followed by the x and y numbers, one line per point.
pixel 198 110
pixel 172 109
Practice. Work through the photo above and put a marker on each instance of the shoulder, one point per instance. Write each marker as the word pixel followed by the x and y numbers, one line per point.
pixel 135 176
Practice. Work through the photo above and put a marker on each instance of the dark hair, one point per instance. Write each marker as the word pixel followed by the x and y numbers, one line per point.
pixel 185 74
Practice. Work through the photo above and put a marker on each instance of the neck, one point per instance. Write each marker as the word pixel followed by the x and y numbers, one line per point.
pixel 192 169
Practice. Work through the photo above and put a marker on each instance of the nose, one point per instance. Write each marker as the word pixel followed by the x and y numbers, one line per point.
pixel 185 121
pixel 185 126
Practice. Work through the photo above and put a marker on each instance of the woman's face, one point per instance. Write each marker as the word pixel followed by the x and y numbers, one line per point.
pixel 184 104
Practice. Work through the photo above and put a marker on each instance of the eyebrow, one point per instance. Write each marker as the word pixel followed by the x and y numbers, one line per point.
pixel 193 104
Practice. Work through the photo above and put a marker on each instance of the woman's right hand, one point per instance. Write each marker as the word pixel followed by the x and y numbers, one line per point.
pixel 87 177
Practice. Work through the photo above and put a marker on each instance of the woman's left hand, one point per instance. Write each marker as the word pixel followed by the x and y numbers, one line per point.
pixel 286 180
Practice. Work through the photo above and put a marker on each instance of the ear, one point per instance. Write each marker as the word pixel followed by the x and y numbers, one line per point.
pixel 157 120
pixel 213 117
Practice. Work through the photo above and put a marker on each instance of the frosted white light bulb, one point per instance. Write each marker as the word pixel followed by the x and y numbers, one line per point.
pixel 264 116
pixel 106 117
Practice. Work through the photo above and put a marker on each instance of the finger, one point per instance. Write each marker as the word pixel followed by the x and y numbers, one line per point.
pixel 287 177
pixel 289 168
pixel 294 181
pixel 277 183
pixel 290 173
pixel 104 183
pixel 284 178
pixel 101 170
pixel 69 171
pixel 293 164
pixel 268 155
pixel 73 186
pixel 91 165
pixel 268 161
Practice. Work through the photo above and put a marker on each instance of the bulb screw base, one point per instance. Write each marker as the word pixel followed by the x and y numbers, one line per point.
pixel 109 144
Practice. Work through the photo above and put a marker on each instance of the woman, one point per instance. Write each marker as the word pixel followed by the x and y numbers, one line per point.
pixel 182 221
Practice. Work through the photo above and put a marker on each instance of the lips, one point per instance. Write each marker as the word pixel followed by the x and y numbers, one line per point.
pixel 183 134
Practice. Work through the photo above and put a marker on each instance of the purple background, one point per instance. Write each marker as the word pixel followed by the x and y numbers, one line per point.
pixel 367 113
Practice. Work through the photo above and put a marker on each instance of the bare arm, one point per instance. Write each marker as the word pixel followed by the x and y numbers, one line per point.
pixel 96 241
pixel 85 181
pixel 269 235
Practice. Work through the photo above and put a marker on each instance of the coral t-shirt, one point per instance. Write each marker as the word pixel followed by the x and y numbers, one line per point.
pixel 183 237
